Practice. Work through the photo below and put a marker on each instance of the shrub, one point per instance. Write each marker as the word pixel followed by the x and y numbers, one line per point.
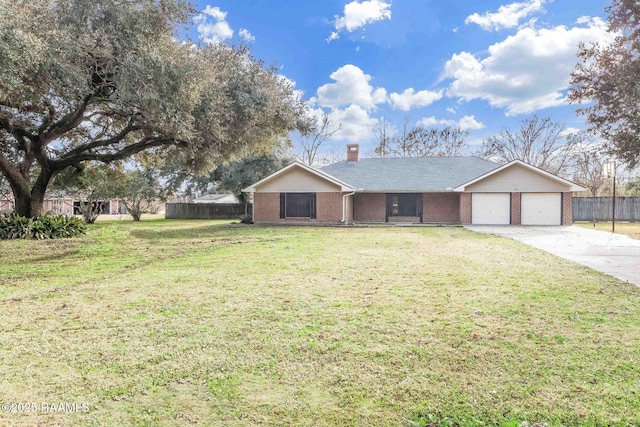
pixel 14 226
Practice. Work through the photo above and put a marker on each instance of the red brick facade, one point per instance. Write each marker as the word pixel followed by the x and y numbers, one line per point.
pixel 441 208
pixel 454 208
pixel 516 204
pixel 465 208
pixel 266 207
pixel 567 208
pixel 328 208
pixel 370 207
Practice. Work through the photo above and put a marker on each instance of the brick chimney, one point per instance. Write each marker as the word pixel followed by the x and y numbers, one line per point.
pixel 353 153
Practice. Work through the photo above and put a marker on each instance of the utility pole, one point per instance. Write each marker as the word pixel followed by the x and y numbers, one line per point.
pixel 610 170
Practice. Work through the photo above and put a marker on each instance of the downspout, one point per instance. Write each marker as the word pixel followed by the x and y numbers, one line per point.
pixel 253 207
pixel 344 206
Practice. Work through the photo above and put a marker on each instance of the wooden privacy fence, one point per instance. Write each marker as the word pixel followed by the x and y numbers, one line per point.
pixel 205 210
pixel 599 208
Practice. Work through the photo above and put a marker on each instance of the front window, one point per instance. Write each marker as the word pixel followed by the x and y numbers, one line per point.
pixel 297 205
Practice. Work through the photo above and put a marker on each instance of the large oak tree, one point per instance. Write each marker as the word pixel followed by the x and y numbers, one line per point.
pixel 101 80
pixel 608 77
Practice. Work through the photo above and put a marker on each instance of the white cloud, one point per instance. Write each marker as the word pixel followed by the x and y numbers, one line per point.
pixel 465 123
pixel 351 87
pixel 216 32
pixel 470 122
pixel 357 125
pixel 527 71
pixel 432 121
pixel 451 110
pixel 409 99
pixel 246 35
pixel 358 13
pixel 508 16
pixel 570 131
pixel 215 13
pixel 334 35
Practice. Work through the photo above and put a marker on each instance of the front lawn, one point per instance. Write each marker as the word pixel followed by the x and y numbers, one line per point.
pixel 205 323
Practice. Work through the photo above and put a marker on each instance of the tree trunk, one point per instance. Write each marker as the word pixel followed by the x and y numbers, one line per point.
pixel 22 202
pixel 31 203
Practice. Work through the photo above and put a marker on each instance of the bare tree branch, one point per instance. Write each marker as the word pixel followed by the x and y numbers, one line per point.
pixel 322 130
pixel 538 141
pixel 418 141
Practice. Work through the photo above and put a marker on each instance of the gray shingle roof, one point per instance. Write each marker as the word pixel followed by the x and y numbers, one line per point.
pixel 417 174
pixel 213 196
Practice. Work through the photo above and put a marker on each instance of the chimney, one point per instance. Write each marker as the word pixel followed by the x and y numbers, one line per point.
pixel 353 153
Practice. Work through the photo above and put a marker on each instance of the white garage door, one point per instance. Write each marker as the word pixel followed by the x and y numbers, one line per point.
pixel 491 208
pixel 541 209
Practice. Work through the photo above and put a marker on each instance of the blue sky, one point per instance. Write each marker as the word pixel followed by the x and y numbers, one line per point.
pixel 479 65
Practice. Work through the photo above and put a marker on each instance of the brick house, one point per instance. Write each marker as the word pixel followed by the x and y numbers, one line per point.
pixel 435 190
pixel 67 206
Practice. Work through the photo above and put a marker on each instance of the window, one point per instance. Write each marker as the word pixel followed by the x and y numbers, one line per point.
pixel 297 205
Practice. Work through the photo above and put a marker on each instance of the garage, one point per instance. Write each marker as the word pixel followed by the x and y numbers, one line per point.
pixel 541 209
pixel 491 208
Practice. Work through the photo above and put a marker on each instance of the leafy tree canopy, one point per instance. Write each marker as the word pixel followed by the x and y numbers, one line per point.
pixel 139 191
pixel 608 77
pixel 239 174
pixel 87 80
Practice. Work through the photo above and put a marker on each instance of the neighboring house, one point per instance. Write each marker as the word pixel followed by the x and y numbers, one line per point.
pixel 217 198
pixel 438 190
pixel 6 205
pixel 63 206
pixel 109 207
pixel 69 206
pixel 58 206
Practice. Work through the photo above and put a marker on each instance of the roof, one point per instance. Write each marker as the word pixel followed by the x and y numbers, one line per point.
pixel 415 174
pixel 213 196
pixel 318 172
pixel 572 186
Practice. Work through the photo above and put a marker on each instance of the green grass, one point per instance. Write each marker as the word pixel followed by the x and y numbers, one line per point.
pixel 631 229
pixel 205 323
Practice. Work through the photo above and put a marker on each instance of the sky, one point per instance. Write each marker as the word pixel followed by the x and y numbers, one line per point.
pixel 479 65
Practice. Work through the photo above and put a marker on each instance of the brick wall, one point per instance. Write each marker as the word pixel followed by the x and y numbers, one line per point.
pixel 441 207
pixel 370 207
pixel 465 208
pixel 516 204
pixel 328 207
pixel 267 208
pixel 567 208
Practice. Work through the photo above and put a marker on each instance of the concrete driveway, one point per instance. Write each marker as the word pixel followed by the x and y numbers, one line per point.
pixel 614 254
